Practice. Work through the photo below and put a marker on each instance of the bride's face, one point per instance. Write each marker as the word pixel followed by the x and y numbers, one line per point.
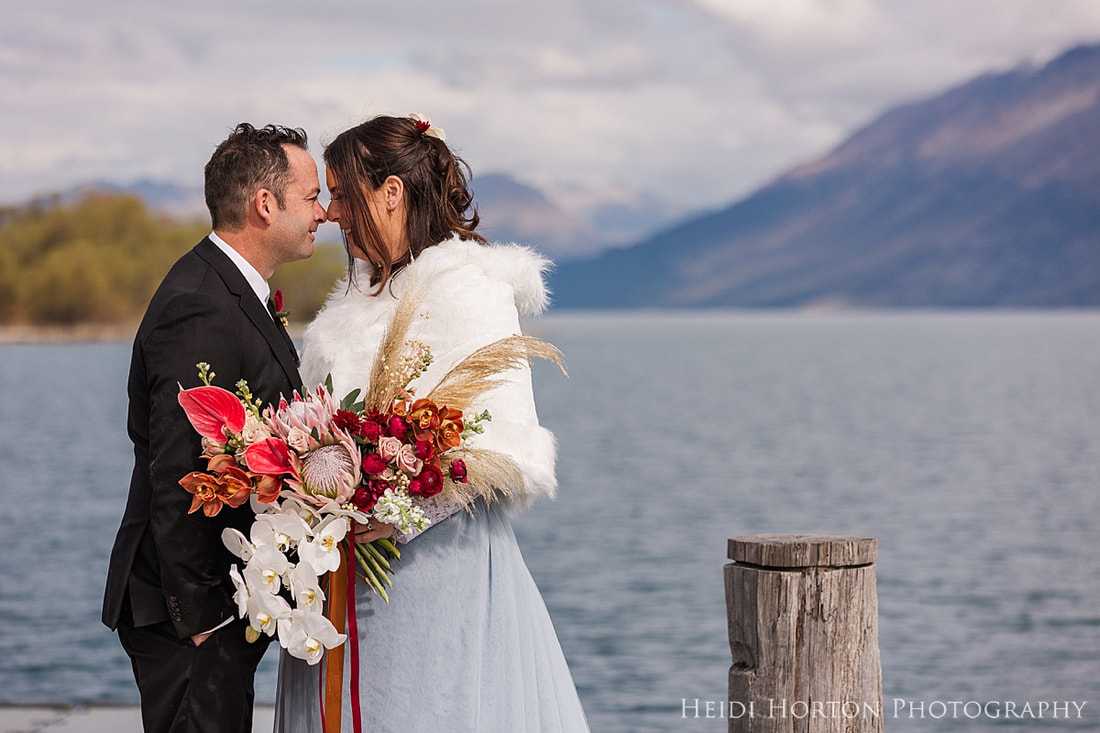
pixel 338 215
pixel 388 220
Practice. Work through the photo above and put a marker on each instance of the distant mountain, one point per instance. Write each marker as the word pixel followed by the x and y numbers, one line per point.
pixel 515 212
pixel 987 195
pixel 160 196
pixel 510 211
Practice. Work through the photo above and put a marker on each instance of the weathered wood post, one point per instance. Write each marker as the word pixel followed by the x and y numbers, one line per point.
pixel 803 626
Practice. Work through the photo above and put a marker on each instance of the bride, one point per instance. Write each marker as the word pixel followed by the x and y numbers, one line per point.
pixel 465 642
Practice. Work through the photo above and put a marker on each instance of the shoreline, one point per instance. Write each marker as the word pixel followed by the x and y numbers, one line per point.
pixel 93 718
pixel 124 332
pixel 86 332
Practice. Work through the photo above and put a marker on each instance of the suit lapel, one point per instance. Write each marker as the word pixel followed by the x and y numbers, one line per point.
pixel 274 333
pixel 282 331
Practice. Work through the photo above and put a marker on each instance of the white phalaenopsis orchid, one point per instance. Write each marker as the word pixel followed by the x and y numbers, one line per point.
pixel 265 611
pixel 305 588
pixel 238 544
pixel 265 570
pixel 290 504
pixel 243 593
pixel 322 551
pixel 281 530
pixel 306 635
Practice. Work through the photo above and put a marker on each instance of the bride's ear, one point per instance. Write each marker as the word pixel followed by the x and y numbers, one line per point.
pixel 393 192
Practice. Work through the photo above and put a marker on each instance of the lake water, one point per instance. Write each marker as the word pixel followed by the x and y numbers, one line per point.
pixel 968 443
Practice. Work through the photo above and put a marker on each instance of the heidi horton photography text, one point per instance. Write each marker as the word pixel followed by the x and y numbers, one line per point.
pixel 895 708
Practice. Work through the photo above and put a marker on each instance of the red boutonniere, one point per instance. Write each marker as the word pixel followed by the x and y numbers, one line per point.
pixel 281 314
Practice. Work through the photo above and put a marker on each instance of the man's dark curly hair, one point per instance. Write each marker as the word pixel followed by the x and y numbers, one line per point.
pixel 248 160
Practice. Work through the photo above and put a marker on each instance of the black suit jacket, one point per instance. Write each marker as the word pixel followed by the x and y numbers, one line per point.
pixel 171 564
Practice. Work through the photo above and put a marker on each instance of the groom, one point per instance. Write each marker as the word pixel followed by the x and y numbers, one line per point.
pixel 168 587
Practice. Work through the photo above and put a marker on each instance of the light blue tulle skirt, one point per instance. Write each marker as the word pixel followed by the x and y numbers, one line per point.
pixel 465 643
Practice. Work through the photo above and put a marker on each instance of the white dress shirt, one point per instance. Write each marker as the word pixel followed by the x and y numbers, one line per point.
pixel 255 279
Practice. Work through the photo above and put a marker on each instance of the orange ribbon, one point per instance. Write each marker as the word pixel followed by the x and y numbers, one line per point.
pixel 334 658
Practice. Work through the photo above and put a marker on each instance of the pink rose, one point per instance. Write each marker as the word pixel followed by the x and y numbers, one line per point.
pixel 388 448
pixel 211 447
pixel 407 460
pixel 298 439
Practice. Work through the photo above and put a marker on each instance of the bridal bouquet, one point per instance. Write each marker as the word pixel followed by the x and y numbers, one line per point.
pixel 313 464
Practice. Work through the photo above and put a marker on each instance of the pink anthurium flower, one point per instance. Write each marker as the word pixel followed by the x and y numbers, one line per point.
pixel 273 457
pixel 213 411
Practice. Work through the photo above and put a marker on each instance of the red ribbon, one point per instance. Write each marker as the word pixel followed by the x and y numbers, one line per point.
pixel 353 633
pixel 341 599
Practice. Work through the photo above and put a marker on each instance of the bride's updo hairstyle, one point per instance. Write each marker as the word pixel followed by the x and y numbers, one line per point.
pixel 437 196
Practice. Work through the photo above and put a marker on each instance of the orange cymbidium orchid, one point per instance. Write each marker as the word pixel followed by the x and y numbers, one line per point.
pixel 450 430
pixel 228 486
pixel 267 488
pixel 424 417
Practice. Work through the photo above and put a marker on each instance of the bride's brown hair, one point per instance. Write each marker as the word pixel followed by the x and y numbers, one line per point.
pixel 437 195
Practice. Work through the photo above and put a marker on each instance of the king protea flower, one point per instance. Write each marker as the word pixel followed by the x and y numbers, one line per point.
pixel 330 472
pixel 311 416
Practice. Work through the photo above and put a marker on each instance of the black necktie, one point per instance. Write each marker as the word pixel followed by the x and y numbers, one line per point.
pixel 279 325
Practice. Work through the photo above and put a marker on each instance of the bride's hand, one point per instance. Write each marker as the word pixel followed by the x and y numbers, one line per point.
pixel 376 531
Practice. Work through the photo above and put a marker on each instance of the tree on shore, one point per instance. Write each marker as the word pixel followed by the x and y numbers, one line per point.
pixel 98 261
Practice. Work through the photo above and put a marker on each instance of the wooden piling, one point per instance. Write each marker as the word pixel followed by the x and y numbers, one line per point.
pixel 803 628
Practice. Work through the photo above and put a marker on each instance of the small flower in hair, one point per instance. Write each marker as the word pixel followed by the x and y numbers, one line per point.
pixel 425 126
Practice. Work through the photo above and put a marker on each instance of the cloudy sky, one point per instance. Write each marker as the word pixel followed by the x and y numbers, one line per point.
pixel 693 102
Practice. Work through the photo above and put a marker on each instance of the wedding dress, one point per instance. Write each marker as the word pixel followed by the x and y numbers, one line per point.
pixel 465 642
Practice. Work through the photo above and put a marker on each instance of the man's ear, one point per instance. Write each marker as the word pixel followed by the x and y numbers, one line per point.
pixel 264 203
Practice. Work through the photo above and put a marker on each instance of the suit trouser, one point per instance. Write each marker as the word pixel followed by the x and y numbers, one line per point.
pixel 189 689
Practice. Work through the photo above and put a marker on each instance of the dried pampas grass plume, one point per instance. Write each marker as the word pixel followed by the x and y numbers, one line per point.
pixel 386 374
pixel 489 474
pixel 481 371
